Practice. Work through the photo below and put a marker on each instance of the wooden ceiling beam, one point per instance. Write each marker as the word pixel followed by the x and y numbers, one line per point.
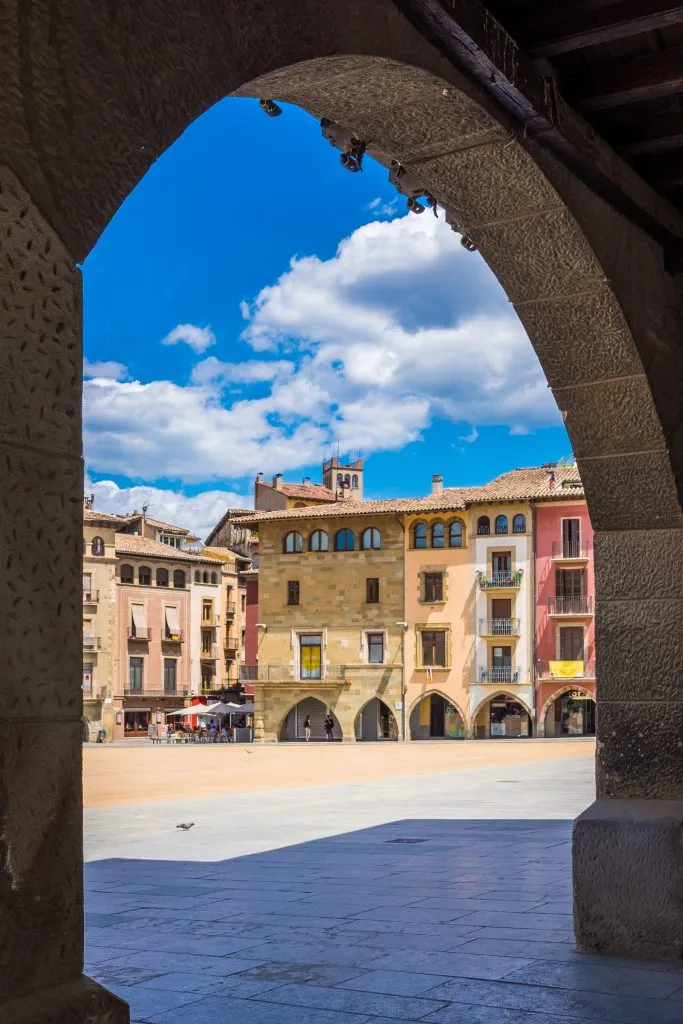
pixel 658 133
pixel 582 25
pixel 627 81
pixel 665 171
pixel 468 35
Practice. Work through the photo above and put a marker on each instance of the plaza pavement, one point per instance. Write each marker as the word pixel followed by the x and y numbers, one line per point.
pixel 440 898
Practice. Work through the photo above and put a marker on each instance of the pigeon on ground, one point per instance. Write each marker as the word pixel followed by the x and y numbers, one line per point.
pixel 186 826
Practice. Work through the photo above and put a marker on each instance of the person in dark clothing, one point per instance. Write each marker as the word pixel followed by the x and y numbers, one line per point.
pixel 307 728
pixel 329 725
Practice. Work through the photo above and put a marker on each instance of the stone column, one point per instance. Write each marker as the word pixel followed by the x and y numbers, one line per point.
pixel 628 846
pixel 41 858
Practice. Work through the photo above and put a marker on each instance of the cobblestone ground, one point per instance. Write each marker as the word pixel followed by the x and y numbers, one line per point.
pixel 440 897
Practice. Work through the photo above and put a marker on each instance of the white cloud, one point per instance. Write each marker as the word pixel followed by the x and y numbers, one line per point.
pixel 255 371
pixel 471 437
pixel 401 326
pixel 199 512
pixel 198 338
pixel 108 370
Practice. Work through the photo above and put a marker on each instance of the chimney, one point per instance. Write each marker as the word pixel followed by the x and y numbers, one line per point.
pixel 277 481
pixel 306 481
pixel 259 478
pixel 437 483
pixel 552 479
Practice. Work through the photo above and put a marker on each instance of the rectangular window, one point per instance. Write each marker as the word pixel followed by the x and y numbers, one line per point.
pixel 170 665
pixel 434 647
pixel 571 643
pixel 207 642
pixel 172 623
pixel 208 675
pixel 372 590
pixel 376 648
pixel 207 611
pixel 87 586
pixel 501 561
pixel 138 626
pixel 87 679
pixel 433 586
pixel 311 656
pixel 244 602
pixel 501 657
pixel 135 675
pixel 569 583
pixel 501 608
pixel 292 592
pixel 571 538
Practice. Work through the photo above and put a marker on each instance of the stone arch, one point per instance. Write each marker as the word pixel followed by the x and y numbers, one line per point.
pixel 438 693
pixel 508 696
pixel 309 695
pixel 390 731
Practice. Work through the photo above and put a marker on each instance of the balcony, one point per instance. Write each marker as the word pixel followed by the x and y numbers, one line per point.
pixel 570 551
pixel 507 674
pixel 511 580
pixel 209 653
pixel 172 638
pixel 91 596
pixel 499 627
pixel 140 634
pixel 334 675
pixel 92 643
pixel 248 673
pixel 565 669
pixel 156 690
pixel 574 606
pixel 230 609
pixel 231 647
pixel 213 622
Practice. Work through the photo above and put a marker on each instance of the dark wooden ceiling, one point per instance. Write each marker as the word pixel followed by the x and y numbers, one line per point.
pixel 590 79
pixel 620 63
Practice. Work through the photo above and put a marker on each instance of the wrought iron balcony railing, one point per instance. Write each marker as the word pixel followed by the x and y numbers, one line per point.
pixel 576 605
pixel 499 675
pixel 569 549
pixel 493 580
pixel 499 627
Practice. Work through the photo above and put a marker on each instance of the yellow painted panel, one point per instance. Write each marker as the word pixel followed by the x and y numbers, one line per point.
pixel 425 711
pixel 566 669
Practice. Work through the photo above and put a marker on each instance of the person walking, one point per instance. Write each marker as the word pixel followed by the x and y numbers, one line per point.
pixel 307 728
pixel 329 726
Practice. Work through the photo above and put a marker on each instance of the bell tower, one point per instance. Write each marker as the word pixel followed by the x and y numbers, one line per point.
pixel 344 477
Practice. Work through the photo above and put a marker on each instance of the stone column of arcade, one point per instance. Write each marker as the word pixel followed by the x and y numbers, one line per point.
pixel 41 858
pixel 628 846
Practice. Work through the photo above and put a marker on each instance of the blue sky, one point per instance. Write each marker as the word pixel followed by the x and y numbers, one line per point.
pixel 253 306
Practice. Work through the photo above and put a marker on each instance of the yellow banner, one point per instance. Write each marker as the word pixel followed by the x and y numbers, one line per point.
pixel 566 670
pixel 310 660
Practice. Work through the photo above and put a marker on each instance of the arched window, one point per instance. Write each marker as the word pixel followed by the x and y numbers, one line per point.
pixel 519 524
pixel 126 574
pixel 438 535
pixel 483 526
pixel 340 479
pixel 214 577
pixel 178 579
pixel 97 546
pixel 319 541
pixel 347 479
pixel 198 577
pixel 344 541
pixel 162 577
pixel 205 577
pixel 501 524
pixel 145 576
pixel 293 543
pixel 456 534
pixel 354 482
pixel 420 535
pixel 371 539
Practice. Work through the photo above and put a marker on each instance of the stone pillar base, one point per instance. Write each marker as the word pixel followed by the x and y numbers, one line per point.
pixel 628 878
pixel 78 1002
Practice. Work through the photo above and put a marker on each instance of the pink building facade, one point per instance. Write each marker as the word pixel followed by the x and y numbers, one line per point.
pixel 564 619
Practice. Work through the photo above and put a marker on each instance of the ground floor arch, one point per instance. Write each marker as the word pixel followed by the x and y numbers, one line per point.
pixel 436 717
pixel 292 728
pixel 376 721
pixel 502 716
pixel 569 712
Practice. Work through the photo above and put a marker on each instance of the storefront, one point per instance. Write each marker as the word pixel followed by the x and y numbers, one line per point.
pixel 436 718
pixel 572 713
pixel 376 722
pixel 136 722
pixel 508 718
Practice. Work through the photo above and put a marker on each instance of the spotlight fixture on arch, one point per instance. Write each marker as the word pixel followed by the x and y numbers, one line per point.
pixel 352 149
pixel 270 108
pixel 465 239
pixel 405 183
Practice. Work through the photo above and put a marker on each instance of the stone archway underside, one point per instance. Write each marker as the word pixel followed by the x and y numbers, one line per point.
pixel 86 105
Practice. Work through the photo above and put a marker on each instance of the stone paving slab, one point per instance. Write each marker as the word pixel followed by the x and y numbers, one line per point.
pixel 266 918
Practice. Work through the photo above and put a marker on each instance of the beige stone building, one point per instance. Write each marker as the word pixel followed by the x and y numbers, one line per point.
pixel 330 622
pixel 100 654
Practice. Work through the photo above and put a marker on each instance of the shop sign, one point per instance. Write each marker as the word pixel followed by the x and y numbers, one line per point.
pixel 566 669
pixel 579 695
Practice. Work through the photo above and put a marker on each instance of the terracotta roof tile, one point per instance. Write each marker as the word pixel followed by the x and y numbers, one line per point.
pixel 316 492
pixel 91 516
pixel 131 544
pixel 532 484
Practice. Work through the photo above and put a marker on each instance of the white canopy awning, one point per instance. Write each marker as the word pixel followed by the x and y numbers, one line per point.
pixel 139 616
pixel 172 621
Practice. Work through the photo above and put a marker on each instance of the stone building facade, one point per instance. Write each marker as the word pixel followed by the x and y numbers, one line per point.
pixel 100 652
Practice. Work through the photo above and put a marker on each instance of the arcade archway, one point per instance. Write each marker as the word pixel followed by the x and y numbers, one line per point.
pixel 502 716
pixel 315 711
pixel 570 712
pixel 435 716
pixel 376 721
